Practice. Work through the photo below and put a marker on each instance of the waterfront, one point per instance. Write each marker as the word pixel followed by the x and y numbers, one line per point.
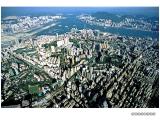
pixel 72 22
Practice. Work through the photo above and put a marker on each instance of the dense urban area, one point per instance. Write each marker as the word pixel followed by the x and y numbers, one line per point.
pixel 82 68
pixel 106 19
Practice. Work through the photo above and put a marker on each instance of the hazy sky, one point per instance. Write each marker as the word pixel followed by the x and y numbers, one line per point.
pixel 8 11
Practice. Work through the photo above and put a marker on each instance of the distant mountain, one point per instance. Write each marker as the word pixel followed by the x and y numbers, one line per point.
pixel 153 19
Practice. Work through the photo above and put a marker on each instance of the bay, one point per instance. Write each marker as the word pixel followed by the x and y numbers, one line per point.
pixel 71 21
